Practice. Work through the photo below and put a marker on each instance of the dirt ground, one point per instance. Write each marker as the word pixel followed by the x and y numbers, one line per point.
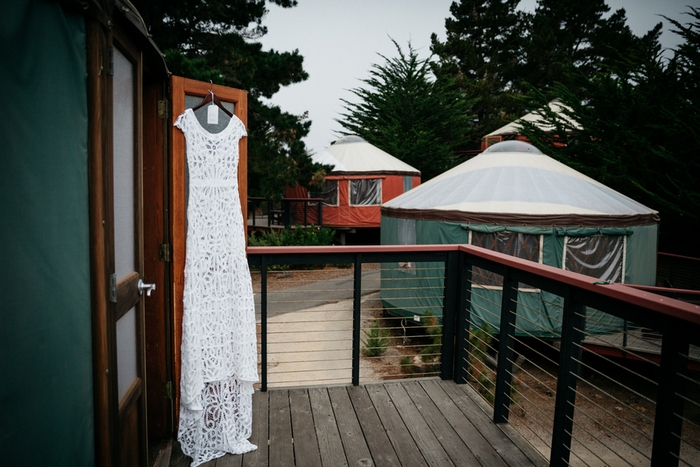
pixel 612 425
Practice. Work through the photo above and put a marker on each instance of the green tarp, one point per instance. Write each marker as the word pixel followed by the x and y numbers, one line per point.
pixel 46 390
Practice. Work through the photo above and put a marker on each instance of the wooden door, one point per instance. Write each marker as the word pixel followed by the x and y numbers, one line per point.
pixel 187 93
pixel 127 294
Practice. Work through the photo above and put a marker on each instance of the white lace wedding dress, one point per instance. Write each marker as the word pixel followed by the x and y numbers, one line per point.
pixel 219 353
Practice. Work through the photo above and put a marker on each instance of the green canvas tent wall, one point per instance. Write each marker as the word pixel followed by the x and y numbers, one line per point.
pixel 75 73
pixel 514 199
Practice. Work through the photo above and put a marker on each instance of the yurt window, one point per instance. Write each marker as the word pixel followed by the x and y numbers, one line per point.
pixel 520 245
pixel 407 183
pixel 599 256
pixel 329 193
pixel 366 192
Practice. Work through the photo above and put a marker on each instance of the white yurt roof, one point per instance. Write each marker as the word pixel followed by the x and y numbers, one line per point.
pixel 535 118
pixel 326 158
pixel 357 156
pixel 513 182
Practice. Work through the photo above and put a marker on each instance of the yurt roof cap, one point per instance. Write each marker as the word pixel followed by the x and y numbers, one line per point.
pixel 512 146
pixel 350 139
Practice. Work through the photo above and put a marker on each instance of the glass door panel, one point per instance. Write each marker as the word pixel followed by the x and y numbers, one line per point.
pixel 124 183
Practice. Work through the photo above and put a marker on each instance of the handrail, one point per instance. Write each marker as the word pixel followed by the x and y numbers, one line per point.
pixel 286 211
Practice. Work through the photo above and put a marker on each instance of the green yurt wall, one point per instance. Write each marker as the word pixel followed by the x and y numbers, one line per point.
pixel 46 390
pixel 413 293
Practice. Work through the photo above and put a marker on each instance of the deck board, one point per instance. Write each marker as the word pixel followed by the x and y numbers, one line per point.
pixel 356 449
pixel 414 423
pixel 329 442
pixel 280 427
pixel 405 447
pixel 479 446
pixel 306 450
pixel 444 431
pixel 425 439
pixel 382 451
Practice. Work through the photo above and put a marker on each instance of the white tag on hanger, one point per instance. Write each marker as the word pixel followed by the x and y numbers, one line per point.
pixel 212 115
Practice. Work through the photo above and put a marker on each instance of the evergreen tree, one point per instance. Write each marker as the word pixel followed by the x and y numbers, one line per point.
pixel 496 53
pixel 570 39
pixel 482 53
pixel 639 131
pixel 409 114
pixel 216 40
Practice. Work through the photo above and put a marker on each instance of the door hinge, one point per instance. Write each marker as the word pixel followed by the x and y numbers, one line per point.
pixel 165 251
pixel 113 288
pixel 163 110
pixel 168 390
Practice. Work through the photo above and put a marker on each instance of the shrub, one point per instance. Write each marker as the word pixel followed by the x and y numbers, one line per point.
pixel 431 353
pixel 376 340
pixel 293 237
pixel 480 371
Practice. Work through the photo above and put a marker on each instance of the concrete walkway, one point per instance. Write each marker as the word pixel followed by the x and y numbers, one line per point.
pixel 310 331
pixel 317 293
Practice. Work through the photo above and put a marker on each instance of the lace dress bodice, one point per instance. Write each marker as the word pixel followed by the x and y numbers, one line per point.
pixel 219 353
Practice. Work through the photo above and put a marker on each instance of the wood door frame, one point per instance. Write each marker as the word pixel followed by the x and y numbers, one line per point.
pixel 179 88
pixel 127 291
pixel 99 41
pixel 157 268
pixel 99 107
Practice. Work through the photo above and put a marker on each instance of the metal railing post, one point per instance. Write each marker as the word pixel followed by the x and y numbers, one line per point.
pixel 263 323
pixel 306 208
pixel 668 422
pixel 573 327
pixel 463 320
pixel 269 213
pixel 356 319
pixel 449 314
pixel 504 369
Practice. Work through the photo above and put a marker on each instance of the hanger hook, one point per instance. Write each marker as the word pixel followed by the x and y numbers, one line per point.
pixel 211 85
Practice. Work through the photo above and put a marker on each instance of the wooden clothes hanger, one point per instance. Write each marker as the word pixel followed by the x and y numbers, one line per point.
pixel 211 97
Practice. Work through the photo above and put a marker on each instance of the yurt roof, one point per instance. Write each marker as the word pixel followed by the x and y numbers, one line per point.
pixel 326 158
pixel 357 156
pixel 513 183
pixel 535 118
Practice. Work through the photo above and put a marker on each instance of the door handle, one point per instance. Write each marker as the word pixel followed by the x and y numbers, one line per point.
pixel 148 288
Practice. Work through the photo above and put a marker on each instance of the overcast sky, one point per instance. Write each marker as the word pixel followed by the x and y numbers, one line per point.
pixel 341 39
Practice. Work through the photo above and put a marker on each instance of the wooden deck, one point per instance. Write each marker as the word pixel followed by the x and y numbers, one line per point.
pixel 426 422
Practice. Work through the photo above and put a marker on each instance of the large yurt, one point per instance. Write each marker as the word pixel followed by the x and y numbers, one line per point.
pixel 513 199
pixel 363 177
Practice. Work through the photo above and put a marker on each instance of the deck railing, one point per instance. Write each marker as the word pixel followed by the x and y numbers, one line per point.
pixel 591 373
pixel 286 212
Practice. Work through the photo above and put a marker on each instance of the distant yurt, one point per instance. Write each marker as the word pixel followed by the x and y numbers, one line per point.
pixel 515 200
pixel 511 131
pixel 362 179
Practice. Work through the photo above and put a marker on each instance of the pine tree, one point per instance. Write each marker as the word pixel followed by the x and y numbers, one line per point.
pixel 482 53
pixel 496 53
pixel 216 40
pixel 569 39
pixel 639 131
pixel 408 113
